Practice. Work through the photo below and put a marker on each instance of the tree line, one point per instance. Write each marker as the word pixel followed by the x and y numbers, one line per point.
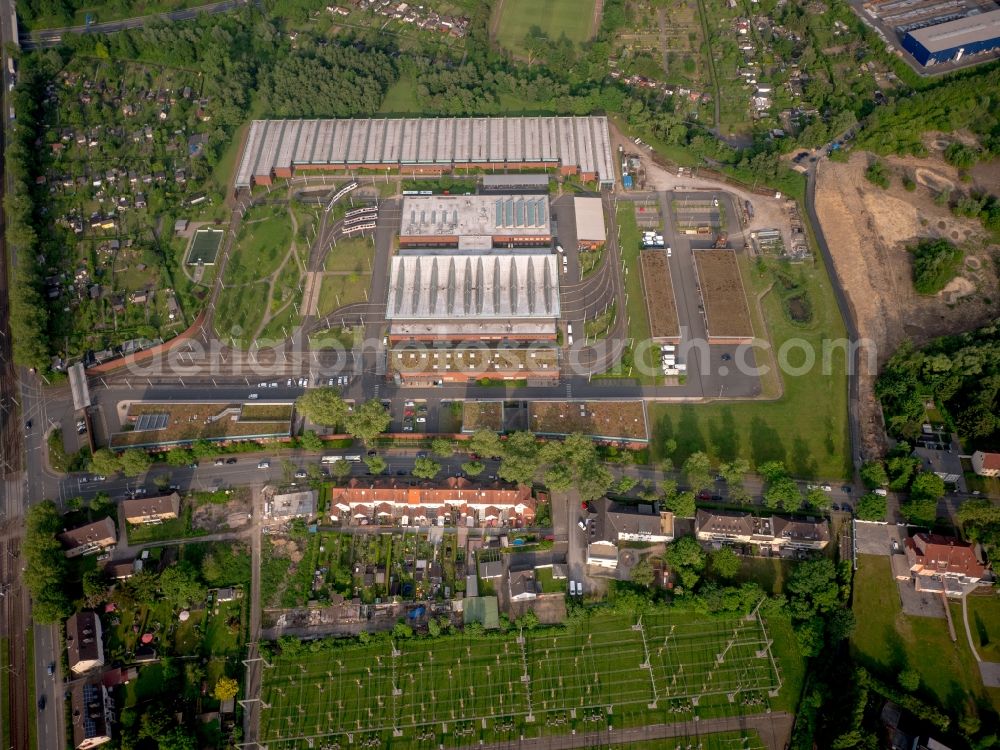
pixel 961 374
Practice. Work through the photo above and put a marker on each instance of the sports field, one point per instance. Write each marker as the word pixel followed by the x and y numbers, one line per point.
pixel 462 689
pixel 205 247
pixel 555 17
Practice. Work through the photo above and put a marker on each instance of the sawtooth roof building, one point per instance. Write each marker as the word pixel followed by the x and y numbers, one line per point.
pixel 953 40
pixel 574 145
pixel 473 297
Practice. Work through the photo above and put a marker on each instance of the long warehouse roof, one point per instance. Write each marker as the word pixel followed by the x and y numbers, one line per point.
pixel 582 142
pixel 480 287
pixel 980 27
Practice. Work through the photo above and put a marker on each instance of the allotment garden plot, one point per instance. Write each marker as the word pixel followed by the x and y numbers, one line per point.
pixel 460 689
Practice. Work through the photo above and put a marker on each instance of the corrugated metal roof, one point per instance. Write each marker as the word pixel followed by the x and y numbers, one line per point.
pixel 944 36
pixel 581 142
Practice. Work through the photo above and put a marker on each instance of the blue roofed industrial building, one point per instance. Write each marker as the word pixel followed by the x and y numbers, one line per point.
pixel 953 40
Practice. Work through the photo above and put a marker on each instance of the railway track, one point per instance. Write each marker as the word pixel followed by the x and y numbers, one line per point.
pixel 12 628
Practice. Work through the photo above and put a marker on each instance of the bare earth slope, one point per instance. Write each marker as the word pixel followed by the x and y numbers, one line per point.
pixel 868 230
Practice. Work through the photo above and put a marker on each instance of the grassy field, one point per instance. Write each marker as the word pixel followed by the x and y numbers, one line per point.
pixel 264 240
pixel 887 641
pixel 638 328
pixel 353 255
pixel 984 621
pixel 341 290
pixel 455 690
pixel 401 98
pixel 554 17
pixel 807 426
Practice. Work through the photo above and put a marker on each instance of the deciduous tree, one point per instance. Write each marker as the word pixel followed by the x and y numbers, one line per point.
pixel 426 468
pixel 368 420
pixel 322 406
pixel 698 470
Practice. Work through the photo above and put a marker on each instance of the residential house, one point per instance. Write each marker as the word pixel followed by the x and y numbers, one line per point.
pixel 490 569
pixel 89 539
pixel 386 501
pixel 616 522
pixel 522 586
pixel 92 712
pixel 986 464
pixel 774 532
pixel 122 569
pixel 943 564
pixel 147 510
pixel 84 642
pixel 799 533
pixel 290 505
pixel 724 526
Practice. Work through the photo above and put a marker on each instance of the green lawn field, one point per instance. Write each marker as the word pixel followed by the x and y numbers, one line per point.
pixel 887 641
pixel 806 427
pixel 401 98
pixel 264 240
pixel 554 17
pixel 342 289
pixel 463 688
pixel 984 621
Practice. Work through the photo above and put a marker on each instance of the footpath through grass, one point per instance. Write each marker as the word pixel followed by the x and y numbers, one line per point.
pixel 263 242
pixel 554 17
pixel 807 427
pixel 887 641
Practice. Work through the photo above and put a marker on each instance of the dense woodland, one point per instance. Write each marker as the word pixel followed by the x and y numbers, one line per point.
pixel 961 374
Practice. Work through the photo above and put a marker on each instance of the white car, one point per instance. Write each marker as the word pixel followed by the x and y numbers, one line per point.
pixel 826 488
pixel 264 465
pixel 253 396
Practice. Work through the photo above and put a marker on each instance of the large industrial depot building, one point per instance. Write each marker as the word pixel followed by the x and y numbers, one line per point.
pixel 953 40
pixel 460 298
pixel 574 145
pixel 475 222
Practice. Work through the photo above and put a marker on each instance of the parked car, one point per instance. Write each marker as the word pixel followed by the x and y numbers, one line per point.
pixel 230 461
pixel 300 474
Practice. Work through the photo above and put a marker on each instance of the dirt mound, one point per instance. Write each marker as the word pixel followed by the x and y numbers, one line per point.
pixel 936 182
pixel 868 230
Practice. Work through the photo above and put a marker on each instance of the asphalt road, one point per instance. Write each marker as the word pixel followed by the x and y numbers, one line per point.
pixel 52 37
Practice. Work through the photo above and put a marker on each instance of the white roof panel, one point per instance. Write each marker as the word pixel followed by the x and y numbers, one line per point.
pixel 358 143
pixel 251 150
pixel 338 147
pixel 393 142
pixel 287 148
pixel 324 137
pixel 532 139
pixel 462 146
pixel 307 140
pixel 498 139
pixel 480 139
pixel 411 141
pixel 376 140
pixel 427 148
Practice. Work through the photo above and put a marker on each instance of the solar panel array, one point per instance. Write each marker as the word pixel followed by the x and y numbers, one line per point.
pixel 146 422
pixel 281 145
